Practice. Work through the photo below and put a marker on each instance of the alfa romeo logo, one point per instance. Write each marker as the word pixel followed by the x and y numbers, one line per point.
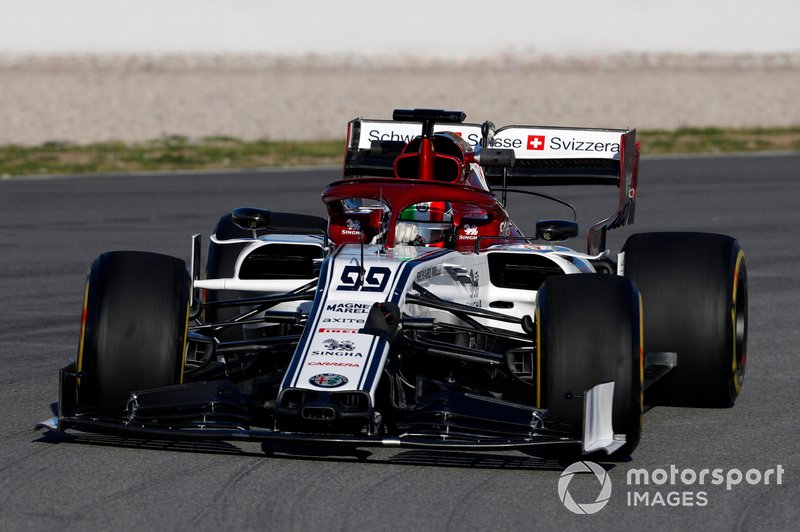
pixel 602 497
pixel 328 380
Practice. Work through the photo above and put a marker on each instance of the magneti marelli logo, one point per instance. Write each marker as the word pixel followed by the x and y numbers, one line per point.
pixel 590 507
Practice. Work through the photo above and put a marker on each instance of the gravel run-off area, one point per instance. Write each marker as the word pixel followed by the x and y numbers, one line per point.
pixel 85 99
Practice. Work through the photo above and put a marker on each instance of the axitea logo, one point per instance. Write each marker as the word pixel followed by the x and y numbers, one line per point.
pixel 536 142
pixel 604 490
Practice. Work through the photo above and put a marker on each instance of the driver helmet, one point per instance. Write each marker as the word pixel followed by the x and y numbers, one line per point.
pixel 427 224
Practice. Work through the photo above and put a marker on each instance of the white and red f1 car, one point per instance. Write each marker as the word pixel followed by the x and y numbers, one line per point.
pixel 418 314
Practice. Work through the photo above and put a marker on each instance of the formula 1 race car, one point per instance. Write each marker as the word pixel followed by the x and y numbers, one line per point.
pixel 418 314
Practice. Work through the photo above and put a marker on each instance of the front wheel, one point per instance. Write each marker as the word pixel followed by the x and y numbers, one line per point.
pixel 134 326
pixel 589 333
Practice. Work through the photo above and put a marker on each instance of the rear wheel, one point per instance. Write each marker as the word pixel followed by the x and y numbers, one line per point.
pixel 694 289
pixel 589 333
pixel 133 334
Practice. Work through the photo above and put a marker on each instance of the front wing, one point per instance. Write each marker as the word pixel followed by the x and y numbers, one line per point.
pixel 598 435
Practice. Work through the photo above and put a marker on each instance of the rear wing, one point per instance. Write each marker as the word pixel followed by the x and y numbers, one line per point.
pixel 562 156
pixel 372 145
pixel 545 156
pixel 573 156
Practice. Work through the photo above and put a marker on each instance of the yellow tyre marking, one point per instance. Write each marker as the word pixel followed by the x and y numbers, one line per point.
pixel 737 382
pixel 183 350
pixel 84 315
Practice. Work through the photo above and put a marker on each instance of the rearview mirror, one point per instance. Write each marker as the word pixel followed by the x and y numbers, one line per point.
pixel 251 218
pixel 495 157
pixel 556 230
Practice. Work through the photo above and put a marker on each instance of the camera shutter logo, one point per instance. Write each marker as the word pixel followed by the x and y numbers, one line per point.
pixel 602 497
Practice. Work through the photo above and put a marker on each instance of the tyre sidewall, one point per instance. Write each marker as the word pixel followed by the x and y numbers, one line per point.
pixel 135 325
pixel 590 333
pixel 694 294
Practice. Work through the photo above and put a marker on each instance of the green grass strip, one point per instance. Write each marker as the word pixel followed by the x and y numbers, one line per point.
pixel 213 153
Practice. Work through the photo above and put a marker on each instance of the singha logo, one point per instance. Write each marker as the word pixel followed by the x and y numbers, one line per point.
pixel 470 232
pixel 353 227
pixel 333 345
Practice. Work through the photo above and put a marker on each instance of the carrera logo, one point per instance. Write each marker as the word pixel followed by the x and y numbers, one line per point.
pixel 536 142
pixel 336 364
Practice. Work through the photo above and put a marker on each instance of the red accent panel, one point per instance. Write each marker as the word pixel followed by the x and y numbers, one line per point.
pixel 426 159
pixel 401 193
pixel 351 228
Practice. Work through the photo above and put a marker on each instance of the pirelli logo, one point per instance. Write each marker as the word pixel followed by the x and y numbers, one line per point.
pixel 337 331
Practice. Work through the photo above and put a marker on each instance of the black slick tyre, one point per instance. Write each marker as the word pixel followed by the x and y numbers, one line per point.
pixel 694 290
pixel 589 333
pixel 134 326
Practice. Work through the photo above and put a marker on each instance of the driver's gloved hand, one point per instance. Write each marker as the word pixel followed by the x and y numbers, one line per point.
pixel 406 233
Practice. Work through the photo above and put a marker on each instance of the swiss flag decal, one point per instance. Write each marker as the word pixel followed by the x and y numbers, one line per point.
pixel 535 142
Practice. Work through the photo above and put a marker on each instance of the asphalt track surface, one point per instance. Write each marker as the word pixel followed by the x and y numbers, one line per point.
pixel 51 229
